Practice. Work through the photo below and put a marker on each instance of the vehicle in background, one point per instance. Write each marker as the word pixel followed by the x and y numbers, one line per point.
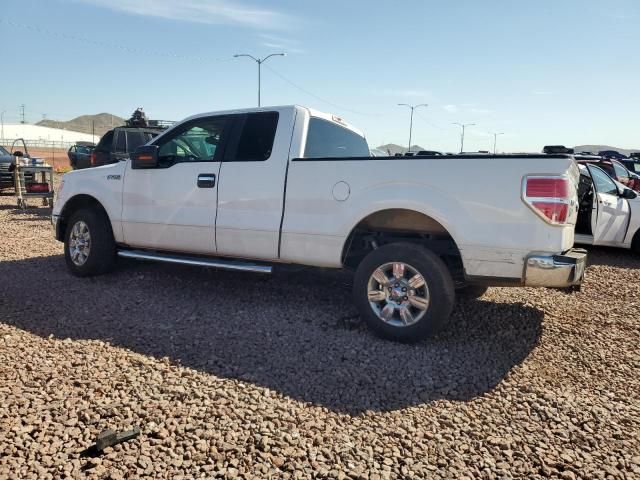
pixel 247 189
pixel 119 143
pixel 8 163
pixel 632 164
pixel 611 154
pixel 557 149
pixel 614 169
pixel 428 153
pixel 376 152
pixel 608 212
pixel 80 155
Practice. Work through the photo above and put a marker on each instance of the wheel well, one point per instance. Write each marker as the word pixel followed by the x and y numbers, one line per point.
pixel 401 225
pixel 73 205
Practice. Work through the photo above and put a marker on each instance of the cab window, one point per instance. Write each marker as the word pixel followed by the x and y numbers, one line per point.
pixel 326 139
pixel 196 141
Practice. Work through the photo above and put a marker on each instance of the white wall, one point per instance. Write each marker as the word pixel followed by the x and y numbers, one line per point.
pixel 36 132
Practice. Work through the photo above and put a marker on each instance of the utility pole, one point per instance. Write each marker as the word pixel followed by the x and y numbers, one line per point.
pixel 22 113
pixel 2 123
pixel 259 61
pixel 412 107
pixel 93 129
pixel 495 141
pixel 464 126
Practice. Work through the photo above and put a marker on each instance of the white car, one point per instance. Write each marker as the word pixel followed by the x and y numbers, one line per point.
pixel 609 212
pixel 247 189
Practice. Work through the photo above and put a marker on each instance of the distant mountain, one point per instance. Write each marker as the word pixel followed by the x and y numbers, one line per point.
pixel 597 148
pixel 98 124
pixel 392 148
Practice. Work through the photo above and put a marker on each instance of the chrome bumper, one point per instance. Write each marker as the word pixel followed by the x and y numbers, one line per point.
pixel 559 271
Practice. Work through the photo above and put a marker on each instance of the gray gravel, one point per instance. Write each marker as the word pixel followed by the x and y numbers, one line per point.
pixel 234 375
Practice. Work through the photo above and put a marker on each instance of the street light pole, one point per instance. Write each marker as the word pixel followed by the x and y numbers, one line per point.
pixel 412 107
pixel 259 61
pixel 495 141
pixel 464 126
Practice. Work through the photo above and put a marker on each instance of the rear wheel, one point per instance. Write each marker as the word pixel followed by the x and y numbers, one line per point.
pixel 89 246
pixel 404 292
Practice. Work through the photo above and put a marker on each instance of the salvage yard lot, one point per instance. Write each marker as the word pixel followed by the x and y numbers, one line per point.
pixel 249 376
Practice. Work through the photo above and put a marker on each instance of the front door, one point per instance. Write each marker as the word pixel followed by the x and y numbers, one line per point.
pixel 611 212
pixel 173 207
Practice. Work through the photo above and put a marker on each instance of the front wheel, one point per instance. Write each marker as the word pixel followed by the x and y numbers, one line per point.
pixel 404 292
pixel 89 246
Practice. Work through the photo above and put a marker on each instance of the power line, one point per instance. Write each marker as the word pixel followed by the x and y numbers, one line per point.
pixel 324 100
pixel 99 43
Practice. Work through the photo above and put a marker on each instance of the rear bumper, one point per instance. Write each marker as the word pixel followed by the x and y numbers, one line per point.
pixel 558 271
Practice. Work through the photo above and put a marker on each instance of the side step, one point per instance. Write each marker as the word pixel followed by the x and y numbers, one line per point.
pixel 198 261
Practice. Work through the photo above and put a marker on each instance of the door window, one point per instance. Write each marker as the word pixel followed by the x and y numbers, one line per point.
pixel 602 181
pixel 621 173
pixel 256 139
pixel 196 141
pixel 134 140
pixel 121 143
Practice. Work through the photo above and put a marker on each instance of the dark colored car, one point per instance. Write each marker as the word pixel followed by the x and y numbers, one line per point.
pixel 80 155
pixel 611 154
pixel 556 149
pixel 117 144
pixel 7 164
pixel 614 169
pixel 632 164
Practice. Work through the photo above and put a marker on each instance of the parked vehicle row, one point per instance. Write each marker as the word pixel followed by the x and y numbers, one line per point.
pixel 250 189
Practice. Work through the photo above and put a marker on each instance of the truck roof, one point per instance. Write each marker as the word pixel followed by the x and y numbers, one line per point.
pixel 281 108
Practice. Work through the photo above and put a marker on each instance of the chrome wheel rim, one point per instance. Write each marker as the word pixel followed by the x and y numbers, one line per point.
pixel 398 294
pixel 79 243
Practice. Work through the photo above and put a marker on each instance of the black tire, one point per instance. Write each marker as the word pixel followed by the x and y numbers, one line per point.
pixel 438 281
pixel 471 292
pixel 101 257
pixel 635 244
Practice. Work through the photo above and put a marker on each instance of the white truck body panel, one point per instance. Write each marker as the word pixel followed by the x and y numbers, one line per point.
pixel 492 227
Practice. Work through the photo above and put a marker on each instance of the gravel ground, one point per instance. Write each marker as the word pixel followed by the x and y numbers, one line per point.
pixel 234 375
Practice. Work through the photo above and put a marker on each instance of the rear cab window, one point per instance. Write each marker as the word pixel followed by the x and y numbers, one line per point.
pixel 327 139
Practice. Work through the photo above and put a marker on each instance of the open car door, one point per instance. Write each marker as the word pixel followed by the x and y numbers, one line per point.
pixel 611 212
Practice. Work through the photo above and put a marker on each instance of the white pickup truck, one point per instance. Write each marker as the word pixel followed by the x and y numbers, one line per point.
pixel 247 189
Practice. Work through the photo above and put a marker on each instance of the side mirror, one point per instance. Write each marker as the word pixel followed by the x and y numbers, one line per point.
pixel 628 194
pixel 145 156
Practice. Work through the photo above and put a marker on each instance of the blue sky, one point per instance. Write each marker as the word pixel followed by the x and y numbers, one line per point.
pixel 542 72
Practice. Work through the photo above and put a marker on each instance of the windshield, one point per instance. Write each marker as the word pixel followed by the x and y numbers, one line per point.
pixel 4 151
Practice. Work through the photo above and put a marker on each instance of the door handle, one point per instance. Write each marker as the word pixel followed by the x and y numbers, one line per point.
pixel 206 180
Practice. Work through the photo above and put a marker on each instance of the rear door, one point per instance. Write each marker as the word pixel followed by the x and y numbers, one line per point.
pixel 611 215
pixel 173 207
pixel 252 183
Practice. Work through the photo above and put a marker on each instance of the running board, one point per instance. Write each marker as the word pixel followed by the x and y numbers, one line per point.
pixel 198 261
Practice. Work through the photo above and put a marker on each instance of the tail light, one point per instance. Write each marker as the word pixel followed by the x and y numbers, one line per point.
pixel 94 159
pixel 552 198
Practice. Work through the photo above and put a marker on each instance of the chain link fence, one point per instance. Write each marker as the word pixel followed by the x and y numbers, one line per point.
pixel 44 144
